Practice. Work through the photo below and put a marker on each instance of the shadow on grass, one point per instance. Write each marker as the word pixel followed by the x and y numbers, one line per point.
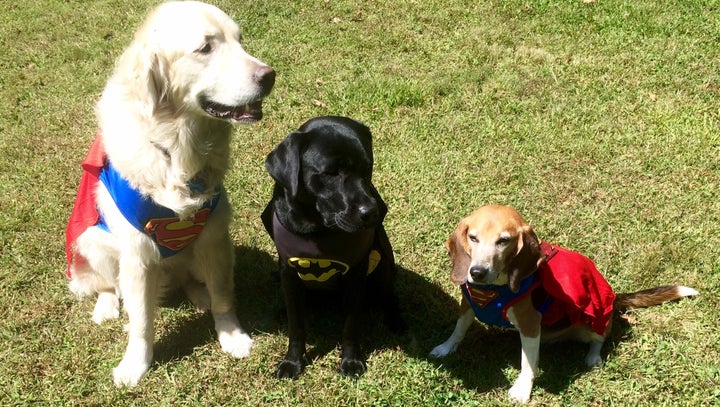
pixel 486 352
pixel 255 300
pixel 430 312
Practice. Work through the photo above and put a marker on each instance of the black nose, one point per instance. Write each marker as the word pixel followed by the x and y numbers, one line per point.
pixel 478 272
pixel 265 77
pixel 368 213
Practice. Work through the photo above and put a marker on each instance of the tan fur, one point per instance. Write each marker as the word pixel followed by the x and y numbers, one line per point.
pixel 494 245
pixel 160 138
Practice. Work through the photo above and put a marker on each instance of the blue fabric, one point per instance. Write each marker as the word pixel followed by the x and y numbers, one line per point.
pixel 490 302
pixel 170 233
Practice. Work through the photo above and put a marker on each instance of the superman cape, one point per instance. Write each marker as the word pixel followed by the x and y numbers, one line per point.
pixel 85 213
pixel 580 294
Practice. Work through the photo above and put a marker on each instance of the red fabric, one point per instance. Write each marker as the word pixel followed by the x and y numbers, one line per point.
pixel 580 292
pixel 84 213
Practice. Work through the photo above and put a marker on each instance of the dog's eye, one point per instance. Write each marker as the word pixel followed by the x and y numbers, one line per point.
pixel 473 238
pixel 206 48
pixel 502 240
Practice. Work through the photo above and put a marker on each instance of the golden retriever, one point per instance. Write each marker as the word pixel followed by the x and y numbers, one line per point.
pixel 511 279
pixel 151 211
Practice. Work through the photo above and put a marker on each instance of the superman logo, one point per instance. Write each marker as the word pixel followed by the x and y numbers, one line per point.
pixel 482 297
pixel 176 234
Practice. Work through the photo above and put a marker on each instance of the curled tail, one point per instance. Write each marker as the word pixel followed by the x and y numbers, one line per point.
pixel 652 296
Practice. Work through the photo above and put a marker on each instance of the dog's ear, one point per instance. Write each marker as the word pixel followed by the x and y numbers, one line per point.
pixel 365 137
pixel 527 259
pixel 284 162
pixel 458 249
pixel 141 73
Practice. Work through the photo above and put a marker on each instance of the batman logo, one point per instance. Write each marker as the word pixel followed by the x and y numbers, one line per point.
pixel 318 270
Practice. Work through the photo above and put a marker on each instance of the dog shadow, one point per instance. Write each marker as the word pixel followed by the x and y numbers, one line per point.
pixel 483 358
pixel 430 312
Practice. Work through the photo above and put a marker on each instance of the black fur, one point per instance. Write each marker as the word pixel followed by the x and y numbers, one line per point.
pixel 323 185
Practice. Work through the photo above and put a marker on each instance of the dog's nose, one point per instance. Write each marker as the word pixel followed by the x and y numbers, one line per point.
pixel 478 273
pixel 368 213
pixel 265 77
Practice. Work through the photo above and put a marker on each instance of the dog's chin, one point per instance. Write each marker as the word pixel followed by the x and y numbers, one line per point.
pixel 248 113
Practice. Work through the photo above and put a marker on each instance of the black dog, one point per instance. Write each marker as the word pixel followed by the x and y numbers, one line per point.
pixel 325 217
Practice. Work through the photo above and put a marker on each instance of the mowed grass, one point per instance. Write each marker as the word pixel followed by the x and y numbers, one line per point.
pixel 598 120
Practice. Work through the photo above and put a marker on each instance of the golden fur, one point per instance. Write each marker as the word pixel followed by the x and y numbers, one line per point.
pixel 165 118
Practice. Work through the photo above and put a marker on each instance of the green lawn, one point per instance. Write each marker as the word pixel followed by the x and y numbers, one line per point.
pixel 598 120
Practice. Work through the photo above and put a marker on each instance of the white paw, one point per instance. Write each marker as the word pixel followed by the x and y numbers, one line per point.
pixel 107 307
pixel 594 357
pixel 593 360
pixel 129 373
pixel 231 336
pixel 443 350
pixel 236 344
pixel 520 391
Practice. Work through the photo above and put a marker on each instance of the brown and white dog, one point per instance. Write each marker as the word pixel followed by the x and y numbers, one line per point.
pixel 510 278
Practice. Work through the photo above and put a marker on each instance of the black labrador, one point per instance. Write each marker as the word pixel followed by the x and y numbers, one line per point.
pixel 325 217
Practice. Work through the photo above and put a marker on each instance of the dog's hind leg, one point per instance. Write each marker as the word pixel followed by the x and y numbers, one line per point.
pixel 107 307
pixel 198 295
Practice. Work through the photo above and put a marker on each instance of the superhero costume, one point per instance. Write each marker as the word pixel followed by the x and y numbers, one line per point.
pixel 163 225
pixel 320 261
pixel 567 289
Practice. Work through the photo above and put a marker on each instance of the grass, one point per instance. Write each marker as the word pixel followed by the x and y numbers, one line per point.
pixel 598 120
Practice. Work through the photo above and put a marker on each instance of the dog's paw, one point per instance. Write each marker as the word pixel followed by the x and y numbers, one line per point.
pixel 129 373
pixel 520 391
pixel 107 307
pixel 289 369
pixel 593 360
pixel 594 356
pixel 236 344
pixel 352 367
pixel 442 350
pixel 232 338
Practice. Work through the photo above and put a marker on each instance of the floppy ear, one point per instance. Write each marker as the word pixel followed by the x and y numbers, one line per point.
pixel 456 246
pixel 365 137
pixel 283 163
pixel 137 73
pixel 527 258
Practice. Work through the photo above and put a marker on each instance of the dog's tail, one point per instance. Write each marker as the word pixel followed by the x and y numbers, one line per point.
pixel 652 296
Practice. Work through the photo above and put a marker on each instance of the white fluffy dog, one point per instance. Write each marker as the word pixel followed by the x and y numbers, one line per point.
pixel 151 211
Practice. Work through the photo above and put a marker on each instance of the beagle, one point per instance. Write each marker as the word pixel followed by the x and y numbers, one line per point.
pixel 511 279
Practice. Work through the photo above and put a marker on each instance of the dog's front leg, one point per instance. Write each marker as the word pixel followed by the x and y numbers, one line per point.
pixel 138 287
pixel 527 320
pixel 461 326
pixel 294 293
pixel 216 265
pixel 351 360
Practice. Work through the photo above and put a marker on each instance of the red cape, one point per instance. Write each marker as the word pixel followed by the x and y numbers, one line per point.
pixel 85 213
pixel 580 292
